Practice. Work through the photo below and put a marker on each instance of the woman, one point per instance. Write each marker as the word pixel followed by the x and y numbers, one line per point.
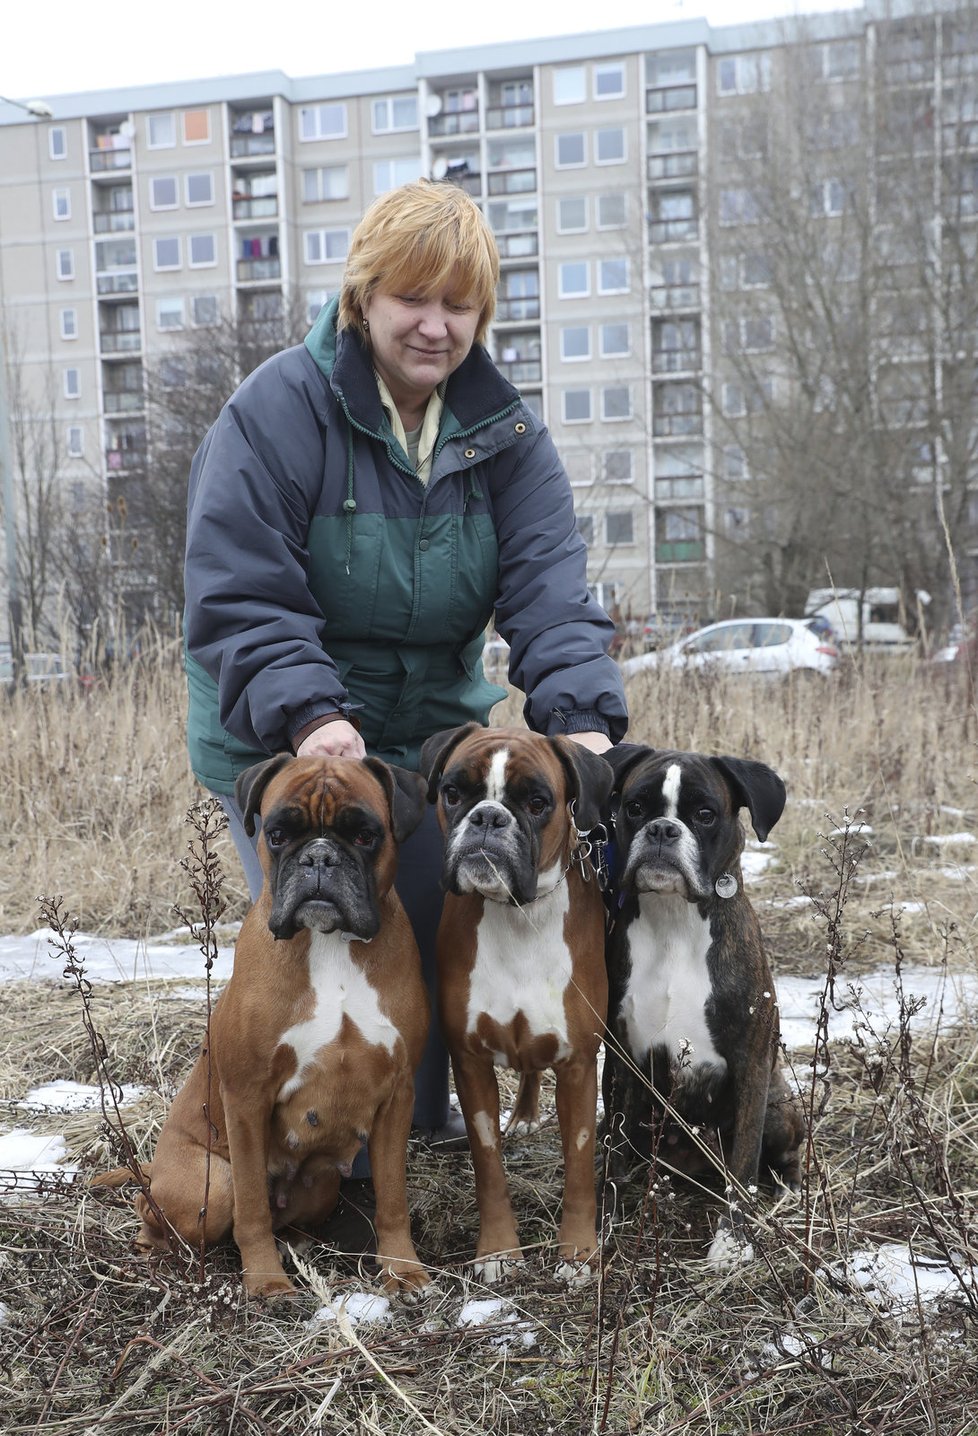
pixel 360 508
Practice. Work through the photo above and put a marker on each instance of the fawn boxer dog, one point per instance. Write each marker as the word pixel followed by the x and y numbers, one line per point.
pixel 521 974
pixel 693 1020
pixel 315 1039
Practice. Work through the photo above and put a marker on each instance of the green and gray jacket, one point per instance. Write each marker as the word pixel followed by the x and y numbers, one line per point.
pixel 323 576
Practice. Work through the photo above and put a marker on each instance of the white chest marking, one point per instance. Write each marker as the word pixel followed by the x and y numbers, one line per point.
pixel 496 778
pixel 523 965
pixel 669 983
pixel 670 790
pixel 340 990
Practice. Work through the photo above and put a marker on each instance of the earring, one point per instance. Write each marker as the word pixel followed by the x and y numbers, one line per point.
pixel 366 327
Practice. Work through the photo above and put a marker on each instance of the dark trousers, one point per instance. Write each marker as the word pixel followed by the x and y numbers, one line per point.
pixel 419 888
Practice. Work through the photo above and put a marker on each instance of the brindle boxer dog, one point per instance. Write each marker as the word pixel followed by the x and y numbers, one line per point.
pixel 316 1037
pixel 693 1018
pixel 521 974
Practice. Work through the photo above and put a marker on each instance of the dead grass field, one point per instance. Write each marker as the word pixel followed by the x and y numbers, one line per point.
pixel 95 792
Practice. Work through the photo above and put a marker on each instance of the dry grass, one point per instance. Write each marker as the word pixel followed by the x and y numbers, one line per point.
pixel 93 1340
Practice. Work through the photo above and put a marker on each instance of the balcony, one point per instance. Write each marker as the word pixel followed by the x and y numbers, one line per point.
pixel 246 147
pixel 265 207
pixel 518 246
pixel 120 282
pixel 675 361
pixel 509 117
pixel 510 311
pixel 673 231
pixel 119 341
pixel 110 161
pixel 664 99
pixel 120 460
pixel 521 371
pixel 674 296
pixel 513 181
pixel 455 122
pixel 681 551
pixel 123 401
pixel 262 270
pixel 677 164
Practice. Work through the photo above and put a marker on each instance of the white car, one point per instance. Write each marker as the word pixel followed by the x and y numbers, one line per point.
pixel 753 646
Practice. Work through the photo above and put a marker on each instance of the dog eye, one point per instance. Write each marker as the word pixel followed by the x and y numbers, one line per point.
pixel 450 795
pixel 364 838
pixel 536 806
pixel 706 817
pixel 276 837
pixel 633 808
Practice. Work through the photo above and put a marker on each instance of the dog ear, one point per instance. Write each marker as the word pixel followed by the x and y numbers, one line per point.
pixel 435 751
pixel 406 792
pixel 757 788
pixel 623 758
pixel 591 781
pixel 251 785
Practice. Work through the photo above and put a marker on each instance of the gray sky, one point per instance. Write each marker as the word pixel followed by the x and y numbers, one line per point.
pixel 56 47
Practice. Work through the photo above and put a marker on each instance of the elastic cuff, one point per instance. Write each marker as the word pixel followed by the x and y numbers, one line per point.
pixel 300 730
pixel 585 720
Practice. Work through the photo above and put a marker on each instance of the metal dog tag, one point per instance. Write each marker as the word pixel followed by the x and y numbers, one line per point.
pixel 726 885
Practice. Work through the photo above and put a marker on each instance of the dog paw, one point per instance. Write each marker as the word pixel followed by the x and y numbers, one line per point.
pixel 407 1280
pixel 492 1270
pixel 524 1127
pixel 272 1287
pixel 575 1273
pixel 729 1250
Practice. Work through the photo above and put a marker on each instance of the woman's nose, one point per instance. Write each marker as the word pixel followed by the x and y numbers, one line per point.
pixel 432 320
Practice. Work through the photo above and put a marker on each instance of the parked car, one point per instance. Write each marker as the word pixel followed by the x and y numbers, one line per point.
pixel 660 629
pixel 961 646
pixel 754 646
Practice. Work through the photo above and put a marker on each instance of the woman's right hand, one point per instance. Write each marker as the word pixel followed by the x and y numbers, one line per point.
pixel 333 740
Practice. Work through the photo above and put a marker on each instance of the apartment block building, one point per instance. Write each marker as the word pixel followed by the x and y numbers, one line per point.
pixel 135 217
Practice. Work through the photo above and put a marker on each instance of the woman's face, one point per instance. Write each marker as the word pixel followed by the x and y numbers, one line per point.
pixel 418 339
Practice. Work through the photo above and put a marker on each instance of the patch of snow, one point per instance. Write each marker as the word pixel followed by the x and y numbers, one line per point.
pixel 64 1096
pixel 757 858
pixel 948 839
pixel 362 1308
pixel 896 1278
pixel 106 959
pixel 481 1310
pixel 24 1151
pixel 872 996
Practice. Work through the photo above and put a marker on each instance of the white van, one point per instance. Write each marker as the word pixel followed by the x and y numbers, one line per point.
pixel 870 618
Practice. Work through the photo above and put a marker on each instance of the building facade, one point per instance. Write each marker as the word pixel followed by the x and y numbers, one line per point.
pixel 605 166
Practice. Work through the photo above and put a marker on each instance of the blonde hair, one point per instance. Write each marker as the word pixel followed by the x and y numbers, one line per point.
pixel 421 237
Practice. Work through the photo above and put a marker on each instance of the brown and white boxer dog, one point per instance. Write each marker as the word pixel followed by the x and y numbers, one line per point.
pixel 315 1039
pixel 693 1019
pixel 521 974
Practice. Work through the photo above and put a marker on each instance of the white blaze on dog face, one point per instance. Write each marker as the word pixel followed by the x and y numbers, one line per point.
pixel 670 790
pixel 496 779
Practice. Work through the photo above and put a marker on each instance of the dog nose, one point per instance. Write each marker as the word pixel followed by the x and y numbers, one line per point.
pixel 665 830
pixel 318 855
pixel 490 815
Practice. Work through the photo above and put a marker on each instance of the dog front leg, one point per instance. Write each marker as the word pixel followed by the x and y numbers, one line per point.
pixel 731 1245
pixel 247 1117
pixel 577 1099
pixel 398 1261
pixel 498 1246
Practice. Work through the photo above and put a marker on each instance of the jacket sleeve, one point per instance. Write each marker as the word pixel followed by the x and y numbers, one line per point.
pixel 557 632
pixel 251 621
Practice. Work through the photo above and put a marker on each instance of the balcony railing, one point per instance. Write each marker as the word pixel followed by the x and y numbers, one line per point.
pixel 508 310
pixel 509 117
pixel 124 282
pixel 678 164
pixel 675 426
pixel 470 182
pixel 674 296
pixel 521 371
pixel 259 269
pixel 666 98
pixel 118 460
pixel 266 207
pixel 122 341
pixel 518 246
pixel 456 122
pixel 104 160
pixel 675 361
pixel 246 146
pixel 512 181
pixel 123 401
pixel 116 221
pixel 681 551
pixel 673 231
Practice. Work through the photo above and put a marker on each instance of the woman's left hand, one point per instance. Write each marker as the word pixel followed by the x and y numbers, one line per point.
pixel 597 742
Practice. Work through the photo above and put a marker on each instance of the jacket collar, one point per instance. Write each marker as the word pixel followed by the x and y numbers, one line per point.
pixel 475 392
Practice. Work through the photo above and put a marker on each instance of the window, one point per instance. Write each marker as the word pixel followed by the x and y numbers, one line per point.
pixel 572 214
pixel 585 527
pixel 204 310
pixel 200 188
pixel 69 324
pixel 570 85
pixel 166 253
pixel 570 151
pixel 743 74
pixel 203 251
pixel 837 59
pixel 574 279
pixel 196 127
pixel 616 402
pixel 325 183
pixel 72 383
pixel 828 197
pixel 74 441
pixel 169 313
pixel 66 263
pixel 388 174
pixel 618 527
pixel 609 81
pixel 173 372
pixel 161 133
pixel 576 406
pixel 58 142
pixel 756 269
pixel 618 466
pixel 315 299
pixel 732 400
pixel 611 210
pixel 577 464
pixel 613 276
pixel 61 203
pixel 322 122
pixel 163 192
pixel 575 343
pixel 326 246
pixel 734 462
pixel 396 112
pixel 609 146
pixel 738 206
pixel 615 340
